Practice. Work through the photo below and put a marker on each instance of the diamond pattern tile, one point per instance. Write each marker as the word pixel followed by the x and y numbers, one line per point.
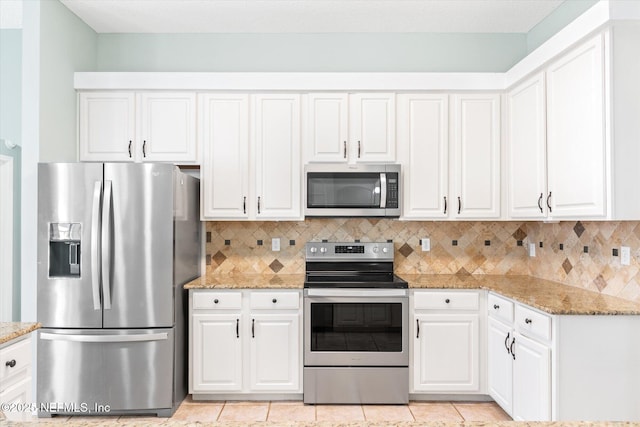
pixel 597 270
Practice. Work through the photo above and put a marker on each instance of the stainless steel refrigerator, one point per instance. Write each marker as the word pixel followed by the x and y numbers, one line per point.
pixel 116 242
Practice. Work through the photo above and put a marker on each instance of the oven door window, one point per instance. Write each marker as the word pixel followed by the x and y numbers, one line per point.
pixel 343 190
pixel 357 327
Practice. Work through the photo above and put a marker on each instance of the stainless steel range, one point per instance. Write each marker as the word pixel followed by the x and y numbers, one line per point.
pixel 356 327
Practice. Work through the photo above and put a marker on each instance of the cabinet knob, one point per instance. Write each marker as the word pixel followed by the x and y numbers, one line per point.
pixel 447 300
pixel 274 300
pixel 496 307
pixel 528 321
pixel 11 363
pixel 215 301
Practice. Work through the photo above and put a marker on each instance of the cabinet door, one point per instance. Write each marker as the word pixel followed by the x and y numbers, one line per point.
pixel 107 126
pixel 423 151
pixel 446 354
pixel 575 133
pixel 372 127
pixel 328 127
pixel 277 156
pixel 216 352
pixel 18 393
pixel 168 127
pixel 500 364
pixel 225 168
pixel 526 152
pixel 476 156
pixel 275 352
pixel 531 381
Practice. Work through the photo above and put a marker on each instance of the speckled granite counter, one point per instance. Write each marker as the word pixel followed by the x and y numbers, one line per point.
pixel 13 330
pixel 248 281
pixel 551 297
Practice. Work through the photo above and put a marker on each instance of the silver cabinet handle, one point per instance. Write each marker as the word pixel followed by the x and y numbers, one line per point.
pixel 106 245
pixel 258 204
pixel 144 145
pixel 129 148
pixel 244 204
pixel 549 202
pixel 540 203
pixel 418 328
pixel 344 154
pixel 459 204
pixel 506 345
pixel 95 245
pixel 445 205
pixel 359 149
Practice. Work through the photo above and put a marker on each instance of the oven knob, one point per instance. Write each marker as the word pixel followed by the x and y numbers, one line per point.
pixel 313 250
pixel 323 249
pixel 375 249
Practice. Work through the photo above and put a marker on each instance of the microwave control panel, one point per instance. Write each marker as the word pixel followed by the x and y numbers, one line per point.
pixel 392 191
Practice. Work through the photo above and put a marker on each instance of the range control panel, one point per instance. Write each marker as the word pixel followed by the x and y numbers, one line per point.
pixel 341 251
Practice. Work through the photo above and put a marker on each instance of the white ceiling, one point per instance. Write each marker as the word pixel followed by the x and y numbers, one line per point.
pixel 311 16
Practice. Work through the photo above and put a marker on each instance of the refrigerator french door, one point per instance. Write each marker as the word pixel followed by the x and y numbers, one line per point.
pixel 115 243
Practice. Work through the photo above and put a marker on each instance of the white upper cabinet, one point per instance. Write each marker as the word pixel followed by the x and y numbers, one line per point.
pixel 351 127
pixel 107 126
pixel 277 156
pixel 224 134
pixel 252 161
pixel 526 150
pixel 576 143
pixel 145 127
pixel 423 151
pixel 168 127
pixel 475 132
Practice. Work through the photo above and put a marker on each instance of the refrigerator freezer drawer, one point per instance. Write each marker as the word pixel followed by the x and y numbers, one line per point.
pixel 86 371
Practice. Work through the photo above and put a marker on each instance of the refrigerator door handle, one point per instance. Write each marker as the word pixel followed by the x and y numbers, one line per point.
pixel 95 245
pixel 161 336
pixel 106 245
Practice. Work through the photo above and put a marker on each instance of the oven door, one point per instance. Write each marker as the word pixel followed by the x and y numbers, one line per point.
pixel 354 327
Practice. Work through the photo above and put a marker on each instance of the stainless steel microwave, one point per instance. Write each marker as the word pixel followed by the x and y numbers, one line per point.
pixel 352 190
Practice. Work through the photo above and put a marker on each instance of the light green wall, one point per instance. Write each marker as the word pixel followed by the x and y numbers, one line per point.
pixel 309 52
pixel 66 45
pixel 557 20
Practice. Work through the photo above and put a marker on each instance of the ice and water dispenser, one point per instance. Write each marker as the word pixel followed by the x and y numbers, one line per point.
pixel 64 249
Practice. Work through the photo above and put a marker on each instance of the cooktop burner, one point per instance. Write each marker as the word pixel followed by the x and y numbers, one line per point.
pixel 351 265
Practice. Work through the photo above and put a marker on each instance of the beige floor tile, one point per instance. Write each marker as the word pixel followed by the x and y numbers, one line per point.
pixel 339 413
pixel 204 412
pixel 434 411
pixel 291 411
pixel 387 413
pixel 481 411
pixel 244 411
pixel 142 419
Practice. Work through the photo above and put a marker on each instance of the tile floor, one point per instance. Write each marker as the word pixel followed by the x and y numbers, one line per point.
pixel 296 411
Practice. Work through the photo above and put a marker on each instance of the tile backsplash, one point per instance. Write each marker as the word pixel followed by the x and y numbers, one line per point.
pixel 574 253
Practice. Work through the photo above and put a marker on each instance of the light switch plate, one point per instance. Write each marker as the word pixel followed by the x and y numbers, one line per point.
pixel 625 255
pixel 532 249
pixel 426 244
pixel 275 244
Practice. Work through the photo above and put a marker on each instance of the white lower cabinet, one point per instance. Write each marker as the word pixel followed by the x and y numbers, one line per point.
pixel 15 377
pixel 519 367
pixel 244 342
pixel 446 342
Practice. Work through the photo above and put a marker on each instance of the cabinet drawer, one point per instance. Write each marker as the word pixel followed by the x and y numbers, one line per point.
pixel 500 308
pixel 208 300
pixel 275 300
pixel 15 363
pixel 448 300
pixel 532 323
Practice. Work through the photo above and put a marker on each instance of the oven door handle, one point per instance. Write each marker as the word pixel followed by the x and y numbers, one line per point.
pixel 356 293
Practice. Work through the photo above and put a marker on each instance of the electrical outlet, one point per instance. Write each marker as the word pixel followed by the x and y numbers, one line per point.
pixel 625 255
pixel 532 249
pixel 275 244
pixel 426 244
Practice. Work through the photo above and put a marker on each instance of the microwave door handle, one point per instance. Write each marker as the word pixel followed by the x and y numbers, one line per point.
pixel 383 190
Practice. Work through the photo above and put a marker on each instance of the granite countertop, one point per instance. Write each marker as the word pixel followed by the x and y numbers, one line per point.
pixel 13 330
pixel 545 295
